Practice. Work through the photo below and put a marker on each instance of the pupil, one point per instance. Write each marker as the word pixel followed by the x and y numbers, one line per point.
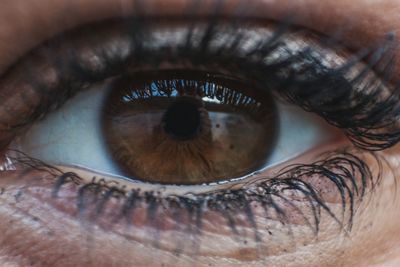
pixel 182 120
pixel 181 127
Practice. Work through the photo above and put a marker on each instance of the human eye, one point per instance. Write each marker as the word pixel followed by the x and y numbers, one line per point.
pixel 165 141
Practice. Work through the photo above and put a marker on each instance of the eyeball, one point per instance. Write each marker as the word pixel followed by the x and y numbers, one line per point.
pixel 174 127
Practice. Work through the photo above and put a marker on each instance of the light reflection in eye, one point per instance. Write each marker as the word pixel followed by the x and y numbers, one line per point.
pixel 167 134
pixel 72 136
pixel 211 100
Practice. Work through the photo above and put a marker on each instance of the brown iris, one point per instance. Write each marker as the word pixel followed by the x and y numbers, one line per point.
pixel 185 127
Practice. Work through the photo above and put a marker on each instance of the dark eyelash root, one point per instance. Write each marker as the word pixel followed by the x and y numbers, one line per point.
pixel 289 192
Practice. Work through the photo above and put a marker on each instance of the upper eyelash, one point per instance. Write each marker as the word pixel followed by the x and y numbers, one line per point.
pixel 370 121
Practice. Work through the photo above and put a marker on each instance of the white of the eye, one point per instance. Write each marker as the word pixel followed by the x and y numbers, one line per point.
pixel 72 135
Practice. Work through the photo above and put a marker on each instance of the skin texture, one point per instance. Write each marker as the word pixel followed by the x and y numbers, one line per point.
pixel 38 234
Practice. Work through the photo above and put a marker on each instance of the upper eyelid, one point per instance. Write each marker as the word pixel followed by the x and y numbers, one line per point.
pixel 73 67
pixel 218 12
pixel 39 20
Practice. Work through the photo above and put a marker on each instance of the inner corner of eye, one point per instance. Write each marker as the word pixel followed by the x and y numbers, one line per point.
pixel 174 127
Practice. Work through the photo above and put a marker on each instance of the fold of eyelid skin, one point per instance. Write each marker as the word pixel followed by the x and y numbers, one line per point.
pixel 356 23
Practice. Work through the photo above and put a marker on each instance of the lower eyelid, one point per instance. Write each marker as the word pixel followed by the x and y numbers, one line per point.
pixel 48 216
pixel 28 192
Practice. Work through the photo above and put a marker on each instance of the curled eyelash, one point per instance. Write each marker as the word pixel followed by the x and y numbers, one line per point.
pixel 369 119
pixel 290 191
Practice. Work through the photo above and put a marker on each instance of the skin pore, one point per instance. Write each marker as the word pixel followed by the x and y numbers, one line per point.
pixel 36 234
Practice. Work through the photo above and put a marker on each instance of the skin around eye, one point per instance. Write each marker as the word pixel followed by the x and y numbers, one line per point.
pixel 43 19
pixel 33 233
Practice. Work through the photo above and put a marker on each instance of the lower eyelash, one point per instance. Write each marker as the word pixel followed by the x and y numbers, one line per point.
pixel 278 196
